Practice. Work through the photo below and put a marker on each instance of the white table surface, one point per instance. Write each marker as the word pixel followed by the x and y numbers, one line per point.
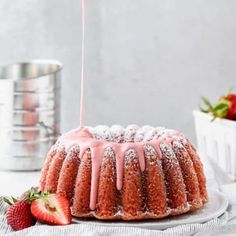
pixel 16 183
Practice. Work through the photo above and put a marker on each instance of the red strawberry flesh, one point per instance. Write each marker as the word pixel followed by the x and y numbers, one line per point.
pixel 52 209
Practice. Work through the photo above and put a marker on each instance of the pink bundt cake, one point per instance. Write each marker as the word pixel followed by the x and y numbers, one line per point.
pixel 126 173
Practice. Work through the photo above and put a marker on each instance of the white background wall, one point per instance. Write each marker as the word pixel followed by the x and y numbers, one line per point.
pixel 147 62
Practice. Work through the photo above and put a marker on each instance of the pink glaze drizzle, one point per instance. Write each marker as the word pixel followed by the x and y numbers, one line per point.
pixel 86 141
pixel 82 66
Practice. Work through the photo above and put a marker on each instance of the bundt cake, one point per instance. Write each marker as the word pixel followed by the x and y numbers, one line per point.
pixel 126 173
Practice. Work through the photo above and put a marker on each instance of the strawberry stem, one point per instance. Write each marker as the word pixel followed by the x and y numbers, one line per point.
pixel 14 199
pixel 219 110
pixel 34 194
pixel 30 196
pixel 207 103
pixel 6 200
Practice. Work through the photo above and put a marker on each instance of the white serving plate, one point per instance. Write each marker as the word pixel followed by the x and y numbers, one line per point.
pixel 216 206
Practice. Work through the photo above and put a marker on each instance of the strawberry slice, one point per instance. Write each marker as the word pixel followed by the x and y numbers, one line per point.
pixel 52 209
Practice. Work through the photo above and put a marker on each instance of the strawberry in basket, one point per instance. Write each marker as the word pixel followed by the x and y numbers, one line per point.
pixel 224 108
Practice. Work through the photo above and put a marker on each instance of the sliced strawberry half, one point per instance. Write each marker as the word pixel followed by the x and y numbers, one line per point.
pixel 52 209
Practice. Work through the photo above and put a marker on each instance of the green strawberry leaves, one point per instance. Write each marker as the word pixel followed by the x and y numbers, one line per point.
pixel 219 110
pixel 35 194
pixel 29 196
pixel 10 202
pixel 207 103
pixel 6 200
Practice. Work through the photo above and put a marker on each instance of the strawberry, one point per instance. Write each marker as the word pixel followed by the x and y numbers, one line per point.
pixel 224 108
pixel 231 98
pixel 19 215
pixel 52 209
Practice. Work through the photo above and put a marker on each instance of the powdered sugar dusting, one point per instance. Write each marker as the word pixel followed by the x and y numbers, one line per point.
pixel 178 145
pixel 60 146
pixel 142 132
pixel 75 149
pixel 181 139
pixel 149 150
pixel 151 134
pixel 167 150
pixel 130 133
pixel 131 154
pixel 117 133
pixel 159 131
pixel 109 152
pixel 102 132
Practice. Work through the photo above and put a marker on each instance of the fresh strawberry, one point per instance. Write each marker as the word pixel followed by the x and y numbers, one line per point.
pixel 224 108
pixel 231 98
pixel 52 209
pixel 19 215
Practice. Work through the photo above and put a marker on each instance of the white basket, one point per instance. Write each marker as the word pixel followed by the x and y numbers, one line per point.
pixel 217 140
